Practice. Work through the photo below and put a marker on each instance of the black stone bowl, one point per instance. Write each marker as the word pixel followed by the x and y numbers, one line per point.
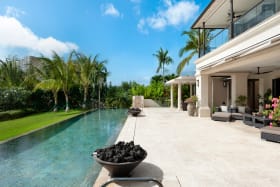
pixel 118 169
pixel 134 111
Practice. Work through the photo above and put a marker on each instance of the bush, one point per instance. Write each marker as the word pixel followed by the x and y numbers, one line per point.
pixel 14 114
pixel 13 98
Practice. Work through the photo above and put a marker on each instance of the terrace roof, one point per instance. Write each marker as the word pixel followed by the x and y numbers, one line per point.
pixel 217 13
pixel 182 80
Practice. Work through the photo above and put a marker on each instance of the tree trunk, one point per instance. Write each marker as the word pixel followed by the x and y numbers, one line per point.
pixel 85 97
pixel 66 102
pixel 55 101
pixel 99 97
pixel 163 73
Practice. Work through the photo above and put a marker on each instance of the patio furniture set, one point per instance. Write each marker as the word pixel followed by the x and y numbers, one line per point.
pixel 267 132
pixel 224 113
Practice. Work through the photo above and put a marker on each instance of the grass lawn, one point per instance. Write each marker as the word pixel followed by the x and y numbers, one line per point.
pixel 16 127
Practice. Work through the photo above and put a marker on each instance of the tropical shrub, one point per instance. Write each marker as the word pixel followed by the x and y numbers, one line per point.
pixel 138 89
pixel 14 98
pixel 14 114
pixel 273 111
pixel 119 96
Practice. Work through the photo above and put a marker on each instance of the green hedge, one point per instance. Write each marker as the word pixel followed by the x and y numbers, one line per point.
pixel 14 114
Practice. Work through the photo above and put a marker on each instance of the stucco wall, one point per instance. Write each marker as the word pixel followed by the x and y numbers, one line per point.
pixel 219 92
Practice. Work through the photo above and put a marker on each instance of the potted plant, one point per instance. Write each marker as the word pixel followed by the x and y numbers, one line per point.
pixel 241 102
pixel 191 104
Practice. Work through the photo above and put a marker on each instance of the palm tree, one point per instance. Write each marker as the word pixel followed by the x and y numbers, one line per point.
pixel 47 79
pixel 63 73
pixel 52 85
pixel 100 76
pixel 12 74
pixel 86 71
pixel 193 45
pixel 163 59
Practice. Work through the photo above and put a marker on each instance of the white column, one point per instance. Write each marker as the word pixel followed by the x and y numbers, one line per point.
pixel 261 93
pixel 229 85
pixel 202 93
pixel 179 96
pixel 239 82
pixel 191 91
pixel 171 96
pixel 212 93
pixel 261 87
pixel 233 90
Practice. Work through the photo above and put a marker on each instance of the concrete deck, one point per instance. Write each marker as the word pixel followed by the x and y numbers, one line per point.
pixel 191 151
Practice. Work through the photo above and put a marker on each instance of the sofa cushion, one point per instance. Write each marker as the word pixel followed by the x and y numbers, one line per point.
pixel 224 108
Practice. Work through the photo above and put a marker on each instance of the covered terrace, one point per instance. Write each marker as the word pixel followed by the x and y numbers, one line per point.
pixel 190 80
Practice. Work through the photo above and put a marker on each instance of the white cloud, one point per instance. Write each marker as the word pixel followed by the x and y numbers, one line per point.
pixel 167 2
pixel 136 6
pixel 157 22
pixel 13 35
pixel 109 9
pixel 13 12
pixel 141 26
pixel 174 15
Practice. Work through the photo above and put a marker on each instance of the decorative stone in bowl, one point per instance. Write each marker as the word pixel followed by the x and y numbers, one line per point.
pixel 121 158
pixel 134 111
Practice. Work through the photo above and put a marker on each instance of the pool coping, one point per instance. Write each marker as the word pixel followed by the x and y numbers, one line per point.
pixel 203 150
pixel 27 133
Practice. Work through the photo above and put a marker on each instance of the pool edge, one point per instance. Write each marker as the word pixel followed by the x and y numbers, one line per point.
pixel 24 134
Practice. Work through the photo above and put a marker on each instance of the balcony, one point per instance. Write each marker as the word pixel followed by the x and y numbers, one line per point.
pixel 251 18
pixel 256 15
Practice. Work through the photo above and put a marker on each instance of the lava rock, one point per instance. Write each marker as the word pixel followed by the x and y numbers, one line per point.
pixel 134 111
pixel 121 152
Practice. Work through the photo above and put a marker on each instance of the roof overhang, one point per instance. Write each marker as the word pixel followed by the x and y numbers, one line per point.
pixel 182 80
pixel 217 13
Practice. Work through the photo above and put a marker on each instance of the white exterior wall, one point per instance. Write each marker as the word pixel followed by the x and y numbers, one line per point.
pixel 219 92
pixel 239 86
pixel 203 95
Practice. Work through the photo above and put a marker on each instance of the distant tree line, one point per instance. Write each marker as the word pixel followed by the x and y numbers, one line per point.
pixel 78 81
pixel 52 83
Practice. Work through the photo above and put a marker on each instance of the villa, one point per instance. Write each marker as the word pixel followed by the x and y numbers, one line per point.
pixel 243 57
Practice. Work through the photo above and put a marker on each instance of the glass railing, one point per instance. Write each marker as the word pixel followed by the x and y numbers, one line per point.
pixel 218 38
pixel 256 15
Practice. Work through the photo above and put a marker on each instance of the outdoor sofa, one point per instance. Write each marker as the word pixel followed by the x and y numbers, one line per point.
pixel 221 116
pixel 270 133
pixel 226 114
pixel 256 121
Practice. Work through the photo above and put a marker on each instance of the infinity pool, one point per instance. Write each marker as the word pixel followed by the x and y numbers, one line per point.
pixel 60 155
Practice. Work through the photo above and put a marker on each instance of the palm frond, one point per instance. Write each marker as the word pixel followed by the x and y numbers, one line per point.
pixel 185 61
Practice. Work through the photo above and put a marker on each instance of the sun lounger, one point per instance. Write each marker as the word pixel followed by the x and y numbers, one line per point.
pixel 221 116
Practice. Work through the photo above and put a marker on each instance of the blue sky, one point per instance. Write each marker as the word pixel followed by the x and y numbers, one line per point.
pixel 125 32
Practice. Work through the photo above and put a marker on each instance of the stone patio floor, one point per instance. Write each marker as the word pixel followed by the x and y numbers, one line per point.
pixel 191 151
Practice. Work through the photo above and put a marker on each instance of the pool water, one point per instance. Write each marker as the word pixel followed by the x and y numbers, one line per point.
pixel 60 155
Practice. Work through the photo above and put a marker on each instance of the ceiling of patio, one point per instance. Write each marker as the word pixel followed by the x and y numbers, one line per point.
pixel 267 60
pixel 216 15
